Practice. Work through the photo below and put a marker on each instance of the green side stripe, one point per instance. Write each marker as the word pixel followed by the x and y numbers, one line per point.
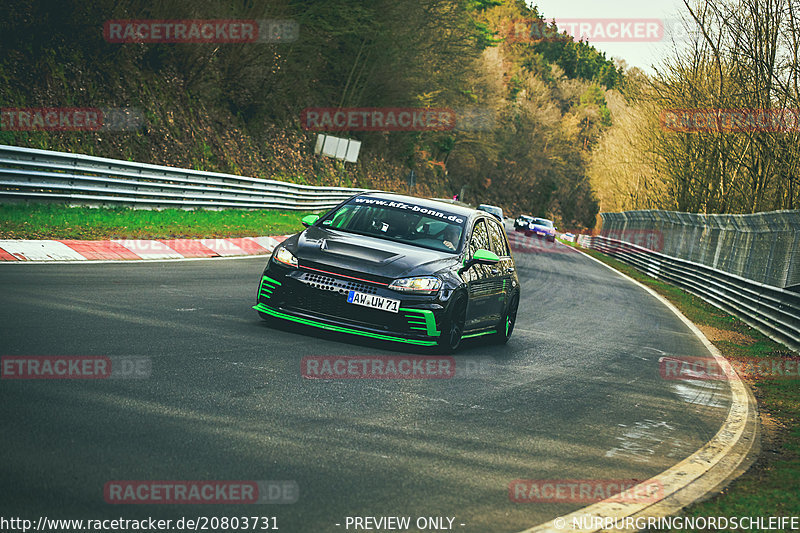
pixel 264 309
pixel 269 279
pixel 479 334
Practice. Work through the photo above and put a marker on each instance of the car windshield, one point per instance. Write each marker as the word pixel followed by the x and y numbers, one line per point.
pixel 543 222
pixel 399 221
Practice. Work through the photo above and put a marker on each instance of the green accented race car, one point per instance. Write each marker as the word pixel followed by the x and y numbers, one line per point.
pixel 396 268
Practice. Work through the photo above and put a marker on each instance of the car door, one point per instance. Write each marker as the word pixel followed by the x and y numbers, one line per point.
pixel 504 271
pixel 481 283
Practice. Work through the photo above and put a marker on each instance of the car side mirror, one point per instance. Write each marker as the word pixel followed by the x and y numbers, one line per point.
pixel 485 257
pixel 481 257
pixel 309 220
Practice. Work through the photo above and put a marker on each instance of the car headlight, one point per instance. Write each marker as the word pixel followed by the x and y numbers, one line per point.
pixel 286 257
pixel 421 285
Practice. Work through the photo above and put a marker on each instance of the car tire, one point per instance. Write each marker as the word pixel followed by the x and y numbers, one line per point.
pixel 453 327
pixel 506 326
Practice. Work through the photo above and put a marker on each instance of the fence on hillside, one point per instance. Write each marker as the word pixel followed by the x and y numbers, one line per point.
pixel 748 265
pixel 763 247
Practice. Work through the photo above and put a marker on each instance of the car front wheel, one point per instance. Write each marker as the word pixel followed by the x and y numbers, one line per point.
pixel 506 326
pixel 453 328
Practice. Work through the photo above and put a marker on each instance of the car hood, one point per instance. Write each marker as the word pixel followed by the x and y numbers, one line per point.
pixel 378 258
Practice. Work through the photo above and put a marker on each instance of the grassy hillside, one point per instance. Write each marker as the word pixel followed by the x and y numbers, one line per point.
pixel 236 107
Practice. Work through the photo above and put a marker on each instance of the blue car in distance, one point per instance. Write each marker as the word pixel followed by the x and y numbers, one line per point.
pixel 542 228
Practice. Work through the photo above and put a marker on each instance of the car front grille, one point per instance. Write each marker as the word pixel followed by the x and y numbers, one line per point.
pixel 328 283
pixel 341 273
pixel 331 300
pixel 325 296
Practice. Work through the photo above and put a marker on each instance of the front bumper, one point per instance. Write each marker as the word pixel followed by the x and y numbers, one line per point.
pixel 320 300
pixel 541 234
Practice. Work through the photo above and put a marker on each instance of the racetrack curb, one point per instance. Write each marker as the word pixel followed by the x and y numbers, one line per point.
pixel 726 456
pixel 133 249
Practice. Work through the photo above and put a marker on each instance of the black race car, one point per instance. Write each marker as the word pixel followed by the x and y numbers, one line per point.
pixel 521 222
pixel 396 268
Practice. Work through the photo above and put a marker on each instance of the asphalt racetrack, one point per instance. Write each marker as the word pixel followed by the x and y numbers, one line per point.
pixel 575 394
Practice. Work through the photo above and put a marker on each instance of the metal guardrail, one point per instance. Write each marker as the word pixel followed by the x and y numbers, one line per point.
pixel 27 173
pixel 772 310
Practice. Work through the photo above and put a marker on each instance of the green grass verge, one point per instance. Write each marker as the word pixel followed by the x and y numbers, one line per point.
pixel 771 487
pixel 57 221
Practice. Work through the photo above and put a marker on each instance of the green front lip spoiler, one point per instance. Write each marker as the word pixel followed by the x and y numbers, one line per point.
pixel 341 329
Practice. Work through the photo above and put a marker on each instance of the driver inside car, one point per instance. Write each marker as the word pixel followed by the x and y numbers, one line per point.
pixel 450 237
pixel 398 225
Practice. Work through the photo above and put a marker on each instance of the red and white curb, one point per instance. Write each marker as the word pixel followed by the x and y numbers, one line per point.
pixel 134 249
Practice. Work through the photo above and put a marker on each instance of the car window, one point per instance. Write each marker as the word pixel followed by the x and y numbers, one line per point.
pixel 499 244
pixel 417 225
pixel 480 238
pixel 491 209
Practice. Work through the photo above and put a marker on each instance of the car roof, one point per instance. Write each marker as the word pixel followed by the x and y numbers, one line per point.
pixel 454 202
pixel 424 202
